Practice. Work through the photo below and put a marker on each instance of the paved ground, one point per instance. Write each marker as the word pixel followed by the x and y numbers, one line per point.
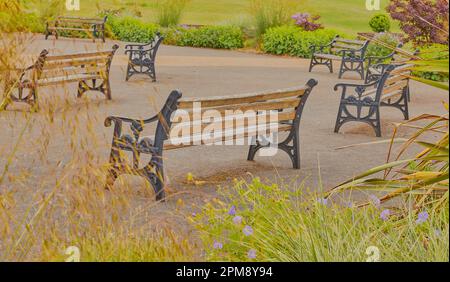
pixel 201 73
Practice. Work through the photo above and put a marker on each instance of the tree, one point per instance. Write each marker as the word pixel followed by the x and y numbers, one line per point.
pixel 424 21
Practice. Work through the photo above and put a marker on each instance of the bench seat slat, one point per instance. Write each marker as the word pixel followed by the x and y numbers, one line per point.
pixel 328 56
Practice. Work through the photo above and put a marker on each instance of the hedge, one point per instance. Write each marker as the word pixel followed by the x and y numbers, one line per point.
pixel 291 40
pixel 219 37
pixel 129 29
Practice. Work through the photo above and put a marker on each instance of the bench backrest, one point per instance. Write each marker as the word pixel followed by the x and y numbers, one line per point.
pixel 402 56
pixel 62 20
pixel 238 116
pixel 340 44
pixel 392 83
pixel 64 67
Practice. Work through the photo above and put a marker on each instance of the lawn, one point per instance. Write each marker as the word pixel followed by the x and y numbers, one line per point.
pixel 349 16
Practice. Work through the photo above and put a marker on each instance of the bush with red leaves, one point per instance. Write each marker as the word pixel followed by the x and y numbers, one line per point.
pixel 423 21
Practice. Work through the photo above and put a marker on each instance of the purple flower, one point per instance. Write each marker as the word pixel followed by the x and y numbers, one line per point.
pixel 322 201
pixel 422 217
pixel 237 220
pixel 217 245
pixel 385 215
pixel 248 230
pixel 251 254
pixel 194 214
pixel 375 201
pixel 232 210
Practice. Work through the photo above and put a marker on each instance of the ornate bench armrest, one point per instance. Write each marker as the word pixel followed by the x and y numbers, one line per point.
pixel 357 87
pixel 141 46
pixel 320 48
pixel 136 125
pixel 351 53
pixel 376 60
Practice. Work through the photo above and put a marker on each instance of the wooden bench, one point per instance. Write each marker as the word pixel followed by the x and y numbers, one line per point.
pixel 94 26
pixel 351 53
pixel 398 56
pixel 363 104
pixel 142 58
pixel 288 105
pixel 90 70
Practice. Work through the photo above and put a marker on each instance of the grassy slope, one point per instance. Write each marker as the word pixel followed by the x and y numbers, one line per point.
pixel 349 16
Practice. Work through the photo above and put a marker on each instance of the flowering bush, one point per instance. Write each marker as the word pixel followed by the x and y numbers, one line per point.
pixel 306 21
pixel 424 21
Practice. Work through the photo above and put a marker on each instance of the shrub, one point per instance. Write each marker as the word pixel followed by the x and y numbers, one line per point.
pixel 173 34
pixel 434 52
pixel 220 37
pixel 169 11
pixel 306 21
pixel 380 23
pixel 424 21
pixel 378 50
pixel 290 40
pixel 132 30
pixel 271 13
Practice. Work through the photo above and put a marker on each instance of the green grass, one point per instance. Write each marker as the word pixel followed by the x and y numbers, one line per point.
pixel 287 224
pixel 348 16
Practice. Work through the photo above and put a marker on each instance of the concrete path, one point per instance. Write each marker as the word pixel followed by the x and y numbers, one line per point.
pixel 201 73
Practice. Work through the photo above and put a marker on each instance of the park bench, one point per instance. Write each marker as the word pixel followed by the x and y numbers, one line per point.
pixel 90 70
pixel 142 58
pixel 94 26
pixel 364 104
pixel 351 53
pixel 288 105
pixel 397 56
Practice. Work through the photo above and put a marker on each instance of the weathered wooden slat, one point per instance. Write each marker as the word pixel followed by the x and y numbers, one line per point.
pixel 229 122
pixel 78 55
pixel 49 73
pixel 392 95
pixel 241 99
pixel 262 106
pixel 350 41
pixel 388 89
pixel 244 132
pixel 70 28
pixel 75 63
pixel 345 46
pixel 67 79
